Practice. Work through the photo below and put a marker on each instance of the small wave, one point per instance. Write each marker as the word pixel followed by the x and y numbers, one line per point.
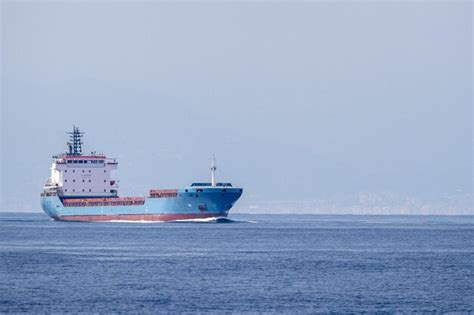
pixel 23 220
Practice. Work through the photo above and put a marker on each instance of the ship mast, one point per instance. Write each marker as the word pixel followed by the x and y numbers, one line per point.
pixel 213 171
pixel 75 146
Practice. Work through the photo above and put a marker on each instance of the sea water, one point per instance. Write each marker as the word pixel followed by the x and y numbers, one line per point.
pixel 249 263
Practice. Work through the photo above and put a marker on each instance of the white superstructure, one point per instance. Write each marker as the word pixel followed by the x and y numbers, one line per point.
pixel 76 175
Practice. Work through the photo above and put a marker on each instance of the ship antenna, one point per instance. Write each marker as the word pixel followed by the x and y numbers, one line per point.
pixel 69 146
pixel 75 148
pixel 213 171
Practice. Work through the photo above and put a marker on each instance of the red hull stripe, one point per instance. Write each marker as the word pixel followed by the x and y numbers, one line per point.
pixel 84 202
pixel 140 217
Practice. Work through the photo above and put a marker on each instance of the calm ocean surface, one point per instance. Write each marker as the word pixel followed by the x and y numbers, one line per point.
pixel 257 263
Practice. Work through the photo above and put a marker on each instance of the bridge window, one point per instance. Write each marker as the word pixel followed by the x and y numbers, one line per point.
pixel 75 161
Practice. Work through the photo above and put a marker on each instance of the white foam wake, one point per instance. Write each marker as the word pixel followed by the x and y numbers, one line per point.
pixel 204 220
pixel 133 221
pixel 211 220
pixel 195 220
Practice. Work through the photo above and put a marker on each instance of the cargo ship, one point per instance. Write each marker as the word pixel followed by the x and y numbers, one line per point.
pixel 81 188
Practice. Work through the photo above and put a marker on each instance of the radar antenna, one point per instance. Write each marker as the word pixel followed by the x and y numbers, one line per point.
pixel 213 171
pixel 75 144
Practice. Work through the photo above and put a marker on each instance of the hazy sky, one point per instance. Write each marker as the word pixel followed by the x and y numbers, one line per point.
pixel 296 100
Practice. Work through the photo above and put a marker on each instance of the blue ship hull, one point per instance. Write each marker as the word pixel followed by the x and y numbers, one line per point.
pixel 190 203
